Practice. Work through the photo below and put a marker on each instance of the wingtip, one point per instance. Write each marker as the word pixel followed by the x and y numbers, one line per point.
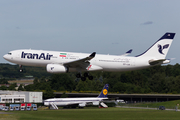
pixel 93 54
pixel 129 51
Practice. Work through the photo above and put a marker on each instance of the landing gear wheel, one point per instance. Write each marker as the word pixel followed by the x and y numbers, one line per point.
pixel 85 75
pixel 90 77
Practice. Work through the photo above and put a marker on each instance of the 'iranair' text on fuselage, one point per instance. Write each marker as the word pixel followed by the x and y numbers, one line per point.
pixel 36 56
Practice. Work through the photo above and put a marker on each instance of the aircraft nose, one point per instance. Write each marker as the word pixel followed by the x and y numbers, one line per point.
pixel 5 56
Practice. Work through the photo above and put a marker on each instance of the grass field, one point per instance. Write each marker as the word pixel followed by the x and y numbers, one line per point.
pixel 168 104
pixel 92 114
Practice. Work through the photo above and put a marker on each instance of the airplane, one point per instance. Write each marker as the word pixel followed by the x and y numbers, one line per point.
pixel 64 62
pixel 80 102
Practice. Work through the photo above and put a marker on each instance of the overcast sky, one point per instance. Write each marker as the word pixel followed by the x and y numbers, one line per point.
pixel 103 26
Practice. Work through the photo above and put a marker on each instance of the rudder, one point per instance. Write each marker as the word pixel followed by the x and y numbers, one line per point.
pixel 160 48
pixel 104 92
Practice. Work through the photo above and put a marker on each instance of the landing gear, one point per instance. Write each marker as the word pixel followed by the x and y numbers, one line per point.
pixel 86 75
pixel 20 70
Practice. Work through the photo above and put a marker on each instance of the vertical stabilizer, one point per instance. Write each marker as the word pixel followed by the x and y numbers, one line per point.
pixel 160 48
pixel 104 92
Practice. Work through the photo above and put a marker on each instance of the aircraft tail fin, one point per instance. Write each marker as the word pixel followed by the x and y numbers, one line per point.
pixel 104 92
pixel 160 48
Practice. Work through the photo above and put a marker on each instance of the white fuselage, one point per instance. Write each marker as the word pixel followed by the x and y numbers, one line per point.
pixel 99 62
pixel 73 101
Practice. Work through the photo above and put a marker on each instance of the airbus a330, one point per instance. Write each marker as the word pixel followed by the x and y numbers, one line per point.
pixel 63 62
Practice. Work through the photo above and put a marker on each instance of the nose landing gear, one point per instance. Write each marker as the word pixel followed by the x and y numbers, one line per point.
pixel 20 70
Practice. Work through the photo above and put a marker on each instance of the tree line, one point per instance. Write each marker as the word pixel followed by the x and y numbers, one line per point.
pixel 157 79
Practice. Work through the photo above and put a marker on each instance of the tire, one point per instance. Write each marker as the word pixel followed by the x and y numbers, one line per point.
pixel 90 77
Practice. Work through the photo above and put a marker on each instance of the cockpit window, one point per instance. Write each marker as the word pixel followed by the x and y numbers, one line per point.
pixel 9 53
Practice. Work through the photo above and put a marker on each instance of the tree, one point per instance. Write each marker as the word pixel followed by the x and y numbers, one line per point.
pixel 12 86
pixel 21 88
pixel 3 81
pixel 64 95
pixel 49 93
pixel 119 87
pixel 62 82
pixel 30 87
pixel 3 87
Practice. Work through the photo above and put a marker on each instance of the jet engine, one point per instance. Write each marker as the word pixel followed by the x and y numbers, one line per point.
pixel 56 68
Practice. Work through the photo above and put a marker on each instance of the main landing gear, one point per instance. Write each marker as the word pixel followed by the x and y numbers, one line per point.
pixel 83 78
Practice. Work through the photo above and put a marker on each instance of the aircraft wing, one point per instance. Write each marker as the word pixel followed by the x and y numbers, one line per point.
pixel 74 103
pixel 81 63
pixel 83 103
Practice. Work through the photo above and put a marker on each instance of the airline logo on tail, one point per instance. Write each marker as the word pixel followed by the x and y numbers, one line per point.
pixel 162 48
pixel 105 92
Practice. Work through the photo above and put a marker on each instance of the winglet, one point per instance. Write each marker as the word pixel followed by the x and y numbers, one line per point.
pixel 128 52
pixel 104 92
pixel 93 55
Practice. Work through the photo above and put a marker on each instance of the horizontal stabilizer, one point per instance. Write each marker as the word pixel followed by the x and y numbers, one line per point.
pixel 166 61
pixel 160 61
pixel 171 59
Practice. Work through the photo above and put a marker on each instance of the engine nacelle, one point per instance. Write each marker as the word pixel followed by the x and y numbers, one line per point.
pixel 56 68
pixel 96 103
pixel 82 105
